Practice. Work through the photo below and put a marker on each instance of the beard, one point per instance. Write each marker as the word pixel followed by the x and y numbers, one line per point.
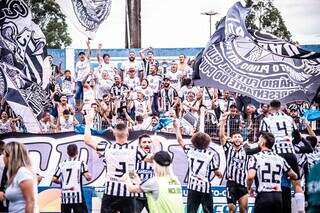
pixel 166 85
pixel 132 59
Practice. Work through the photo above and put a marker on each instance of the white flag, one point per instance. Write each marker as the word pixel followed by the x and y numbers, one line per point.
pixel 86 15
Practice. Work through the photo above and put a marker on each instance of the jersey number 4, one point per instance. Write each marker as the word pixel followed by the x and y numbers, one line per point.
pixel 282 127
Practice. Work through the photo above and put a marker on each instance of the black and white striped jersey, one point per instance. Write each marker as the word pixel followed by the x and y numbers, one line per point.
pixel 269 167
pixel 71 171
pixel 310 159
pixel 145 172
pixel 119 159
pixel 237 161
pixel 281 126
pixel 201 163
pixel 119 91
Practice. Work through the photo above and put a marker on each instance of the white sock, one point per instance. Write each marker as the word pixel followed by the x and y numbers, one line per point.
pixel 300 201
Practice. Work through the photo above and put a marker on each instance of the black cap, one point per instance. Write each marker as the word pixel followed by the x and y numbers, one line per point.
pixel 162 158
pixel 233 106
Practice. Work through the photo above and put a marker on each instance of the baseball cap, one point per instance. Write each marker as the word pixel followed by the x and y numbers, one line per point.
pixel 233 106
pixel 162 158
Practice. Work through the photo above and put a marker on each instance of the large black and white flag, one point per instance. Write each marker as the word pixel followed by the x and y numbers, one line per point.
pixel 25 97
pixel 86 15
pixel 22 63
pixel 256 64
pixel 24 38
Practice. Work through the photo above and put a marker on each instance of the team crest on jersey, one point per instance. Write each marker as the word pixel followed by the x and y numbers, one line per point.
pixel 90 14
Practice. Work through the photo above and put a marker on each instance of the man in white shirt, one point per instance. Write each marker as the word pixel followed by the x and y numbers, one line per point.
pixel 131 63
pixel 105 66
pixel 81 71
pixel 175 75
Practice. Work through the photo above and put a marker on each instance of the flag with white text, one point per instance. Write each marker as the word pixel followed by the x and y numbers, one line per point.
pixel 256 64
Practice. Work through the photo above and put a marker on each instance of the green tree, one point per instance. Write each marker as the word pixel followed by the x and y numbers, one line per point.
pixel 47 14
pixel 265 16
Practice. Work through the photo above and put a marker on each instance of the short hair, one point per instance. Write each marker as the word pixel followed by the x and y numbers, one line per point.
pixel 121 127
pixel 235 132
pixel 269 137
pixel 146 81
pixel 155 117
pixel 105 55
pixel 143 136
pixel 49 56
pixel 67 71
pixel 154 65
pixel 72 150
pixel 200 140
pixel 66 112
pixel 275 104
pixel 188 81
pixel 105 95
pixel 81 53
pixel 139 118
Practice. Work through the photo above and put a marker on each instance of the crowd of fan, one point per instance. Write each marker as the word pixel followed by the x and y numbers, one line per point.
pixel 139 93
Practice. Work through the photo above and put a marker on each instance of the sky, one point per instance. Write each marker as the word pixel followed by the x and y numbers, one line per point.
pixel 179 23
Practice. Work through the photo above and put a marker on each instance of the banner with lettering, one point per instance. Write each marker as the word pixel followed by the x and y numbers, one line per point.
pixel 48 150
pixel 256 64
pixel 86 15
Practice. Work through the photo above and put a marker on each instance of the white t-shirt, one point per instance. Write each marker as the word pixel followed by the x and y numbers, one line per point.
pixel 175 79
pixel 140 107
pixel 128 64
pixel 132 83
pixel 14 194
pixel 147 92
pixel 5 127
pixel 67 125
pixel 104 87
pixel 108 68
pixel 82 69
pixel 154 82
pixel 67 86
